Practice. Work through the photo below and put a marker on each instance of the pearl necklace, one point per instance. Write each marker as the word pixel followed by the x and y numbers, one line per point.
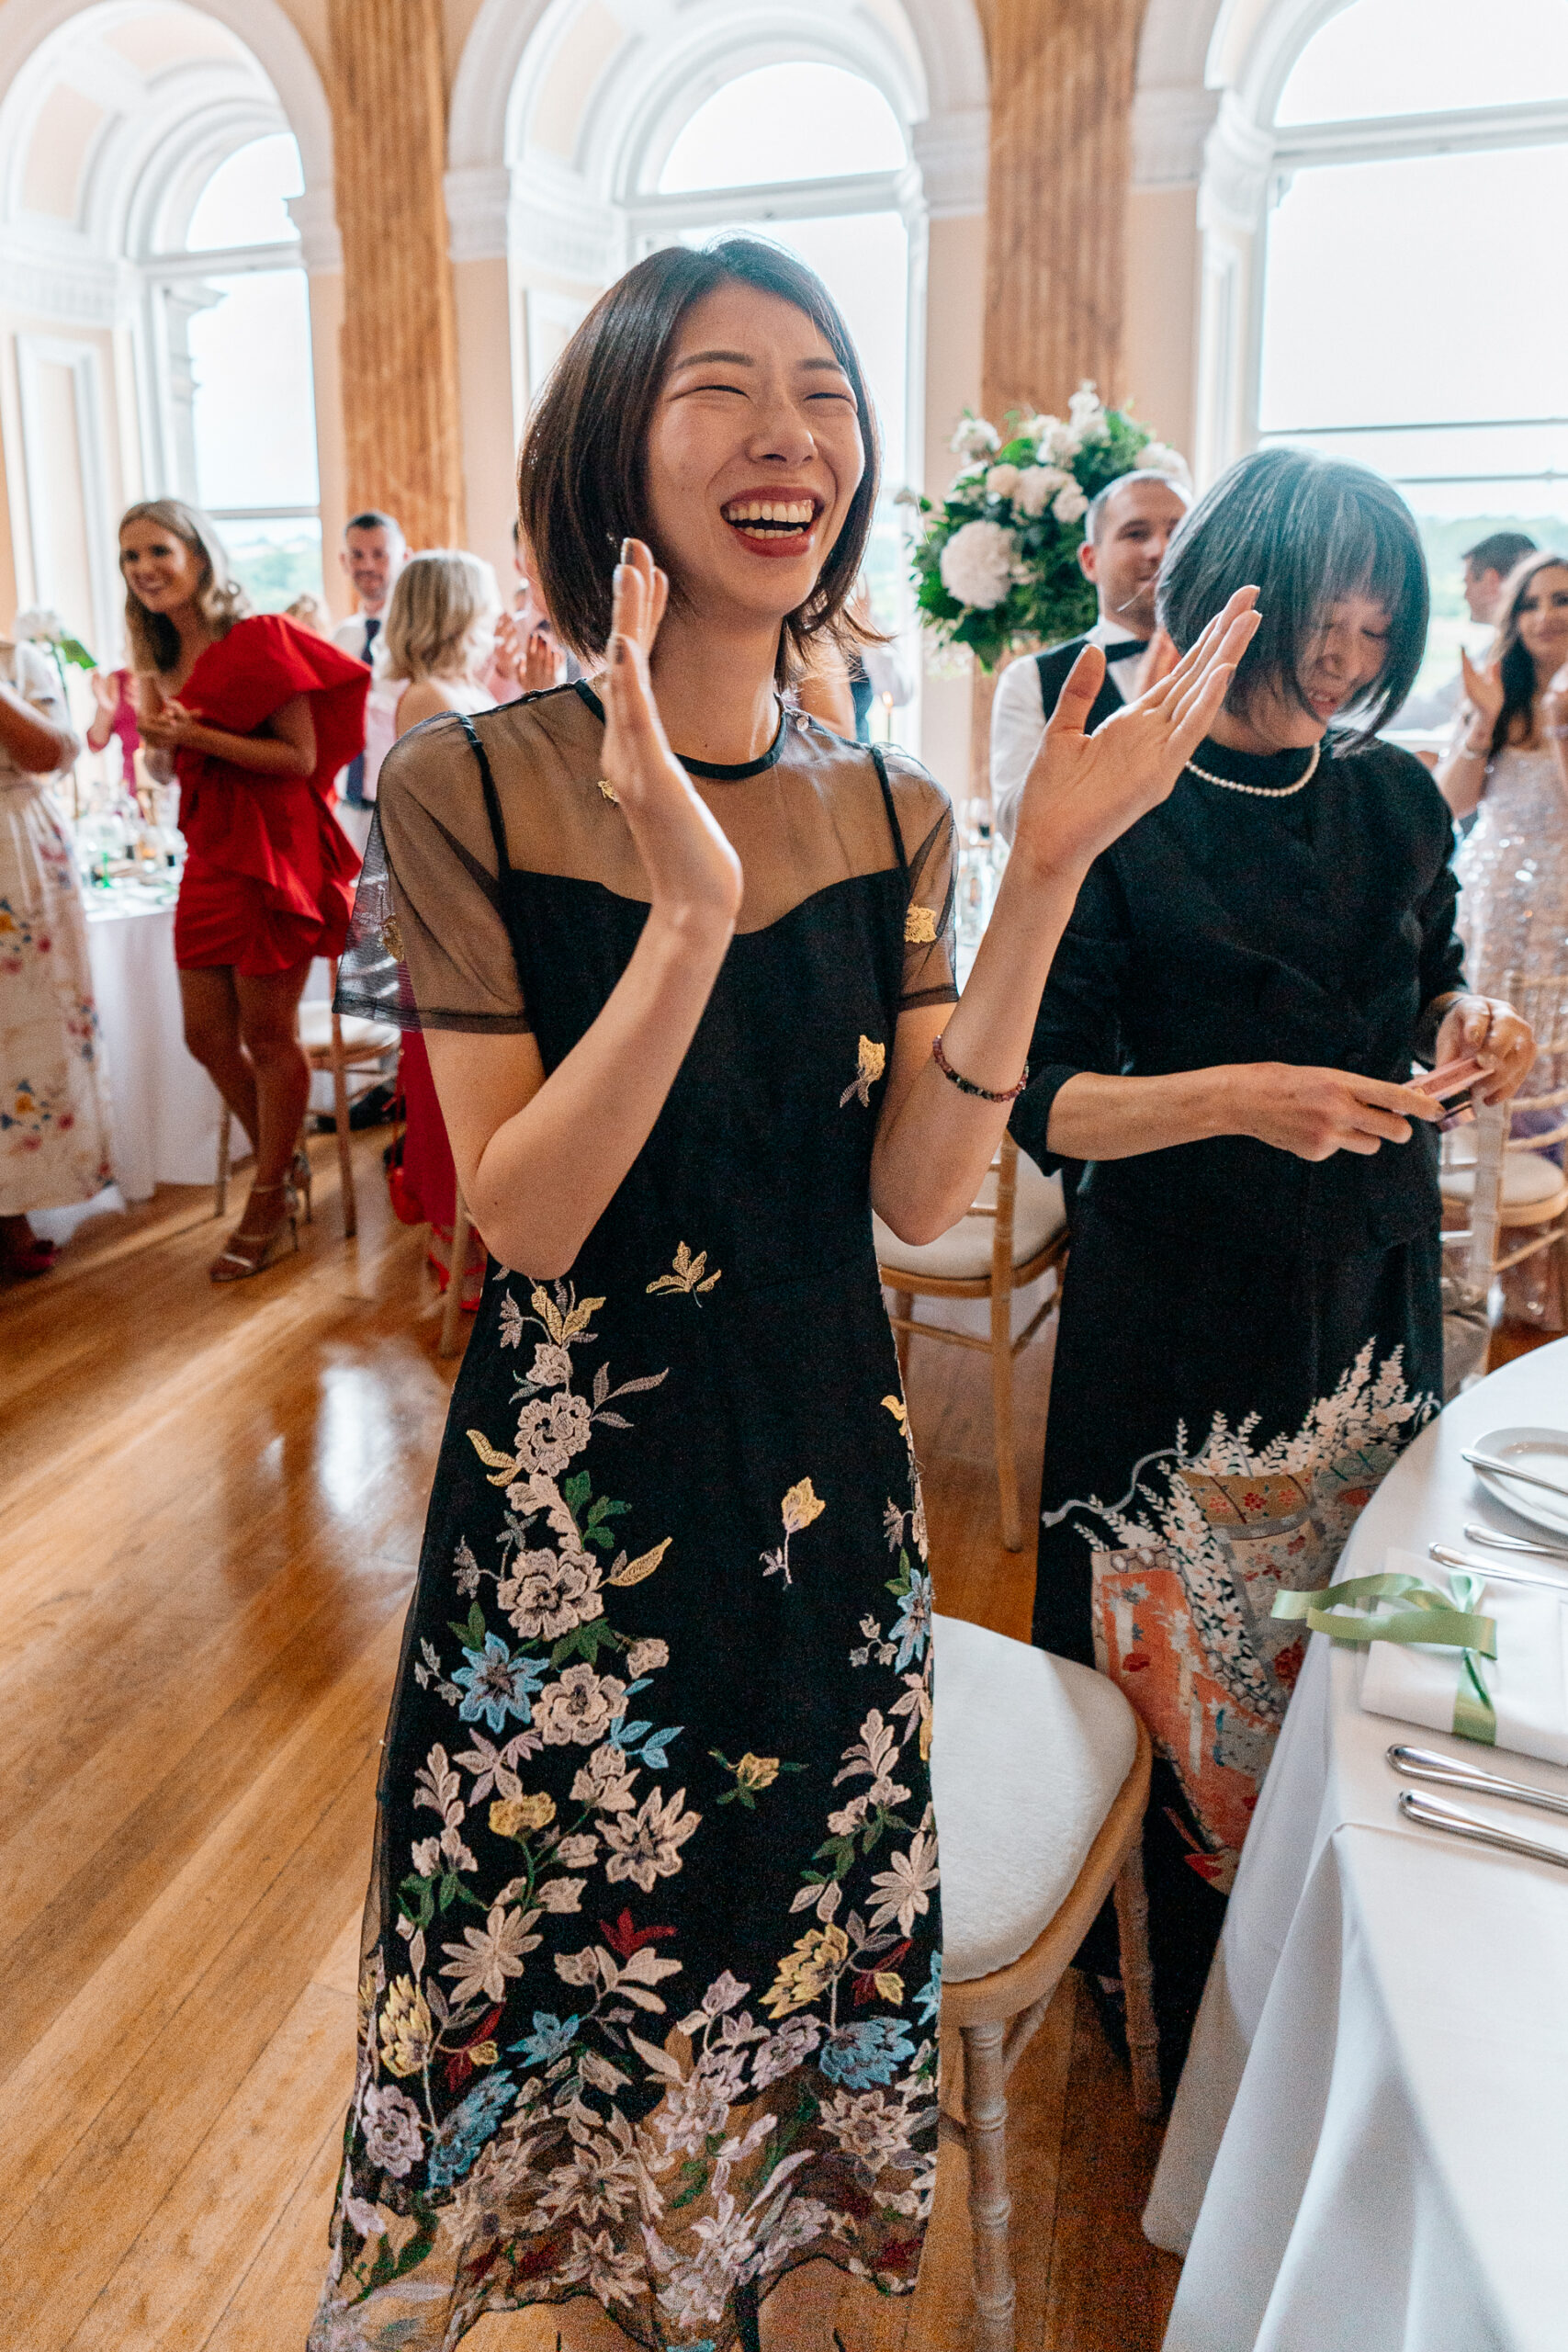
pixel 1264 791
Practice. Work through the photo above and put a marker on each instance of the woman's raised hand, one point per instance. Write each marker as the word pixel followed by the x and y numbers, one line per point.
pixel 1085 790
pixel 1483 688
pixel 691 865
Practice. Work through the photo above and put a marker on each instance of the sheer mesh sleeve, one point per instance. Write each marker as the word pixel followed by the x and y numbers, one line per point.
pixel 428 946
pixel 930 839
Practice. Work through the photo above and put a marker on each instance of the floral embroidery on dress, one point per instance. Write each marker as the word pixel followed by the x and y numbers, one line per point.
pixel 501 2152
pixel 687 1274
pixel 801 1505
pixel 871 1063
pixel 919 927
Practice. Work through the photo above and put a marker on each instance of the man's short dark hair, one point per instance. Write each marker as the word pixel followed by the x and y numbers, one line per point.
pixel 373 520
pixel 582 474
pixel 1499 551
pixel 1095 512
pixel 1308 532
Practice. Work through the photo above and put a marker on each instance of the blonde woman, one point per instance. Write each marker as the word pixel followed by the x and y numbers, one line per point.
pixel 255 716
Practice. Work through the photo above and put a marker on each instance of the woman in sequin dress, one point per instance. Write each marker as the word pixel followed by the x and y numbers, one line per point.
pixel 1507 765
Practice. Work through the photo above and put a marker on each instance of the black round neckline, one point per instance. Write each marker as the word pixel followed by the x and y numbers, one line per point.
pixel 736 774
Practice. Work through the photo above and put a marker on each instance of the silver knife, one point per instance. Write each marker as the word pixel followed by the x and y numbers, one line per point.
pixel 1498 1542
pixel 1431 1815
pixel 1506 1470
pixel 1498 1576
pixel 1449 1771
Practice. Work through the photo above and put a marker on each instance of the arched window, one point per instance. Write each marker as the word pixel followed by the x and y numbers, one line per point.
pixel 1411 318
pixel 812 157
pixel 233 307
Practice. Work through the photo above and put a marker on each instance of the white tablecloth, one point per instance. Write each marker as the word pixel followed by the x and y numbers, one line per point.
pixel 165 1107
pixel 1382 2058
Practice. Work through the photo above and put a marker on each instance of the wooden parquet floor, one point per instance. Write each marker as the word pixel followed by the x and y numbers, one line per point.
pixel 212 1502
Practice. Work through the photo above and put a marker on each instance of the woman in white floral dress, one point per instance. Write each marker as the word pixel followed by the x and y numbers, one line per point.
pixel 651 1952
pixel 54 1126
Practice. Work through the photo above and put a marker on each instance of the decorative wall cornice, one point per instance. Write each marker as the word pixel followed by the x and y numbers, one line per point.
pixel 953 150
pixel 1169 128
pixel 315 214
pixel 477 204
pixel 51 275
pixel 556 224
pixel 1237 160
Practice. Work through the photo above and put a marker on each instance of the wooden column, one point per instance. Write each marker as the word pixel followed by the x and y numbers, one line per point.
pixel 1061 163
pixel 400 345
pixel 1062 74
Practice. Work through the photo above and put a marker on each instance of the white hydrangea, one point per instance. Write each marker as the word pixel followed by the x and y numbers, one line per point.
pixel 1037 486
pixel 974 437
pixel 977 565
pixel 1159 457
pixel 1070 504
pixel 1002 481
pixel 1085 414
pixel 1058 443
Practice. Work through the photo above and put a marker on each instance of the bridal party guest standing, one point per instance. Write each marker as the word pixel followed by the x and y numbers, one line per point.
pixel 1250 1324
pixel 650 1983
pixel 255 716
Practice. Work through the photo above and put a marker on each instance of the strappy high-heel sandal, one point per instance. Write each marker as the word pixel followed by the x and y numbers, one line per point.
pixel 299 1177
pixel 250 1253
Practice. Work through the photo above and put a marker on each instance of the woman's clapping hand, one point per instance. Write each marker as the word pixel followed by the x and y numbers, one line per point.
pixel 1484 692
pixel 694 871
pixel 1083 791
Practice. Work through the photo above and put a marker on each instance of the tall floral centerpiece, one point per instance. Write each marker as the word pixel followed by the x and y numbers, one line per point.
pixel 995 562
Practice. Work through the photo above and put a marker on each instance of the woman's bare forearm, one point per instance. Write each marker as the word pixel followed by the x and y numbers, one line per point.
pixel 261 754
pixel 539 1182
pixel 1096 1117
pixel 936 1142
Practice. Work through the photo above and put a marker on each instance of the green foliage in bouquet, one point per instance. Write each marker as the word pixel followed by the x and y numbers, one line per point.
pixel 995 563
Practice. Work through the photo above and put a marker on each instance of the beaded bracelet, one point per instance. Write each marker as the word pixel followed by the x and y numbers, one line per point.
pixel 967 1085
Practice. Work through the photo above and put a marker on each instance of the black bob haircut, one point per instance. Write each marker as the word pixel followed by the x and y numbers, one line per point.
pixel 1308 531
pixel 582 474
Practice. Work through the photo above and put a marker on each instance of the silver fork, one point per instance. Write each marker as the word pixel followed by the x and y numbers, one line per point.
pixel 1431 1815
pixel 1450 1771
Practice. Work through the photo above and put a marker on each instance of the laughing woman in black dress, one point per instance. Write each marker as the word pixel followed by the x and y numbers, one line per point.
pixel 651 1955
pixel 1250 1327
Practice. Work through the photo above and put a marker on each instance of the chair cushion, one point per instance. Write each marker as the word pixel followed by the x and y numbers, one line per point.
pixel 1530 1179
pixel 964 1252
pixel 359 1035
pixel 1028 1752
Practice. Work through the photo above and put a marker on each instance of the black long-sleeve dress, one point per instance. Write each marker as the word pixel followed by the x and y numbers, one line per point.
pixel 651 1953
pixel 1246 1339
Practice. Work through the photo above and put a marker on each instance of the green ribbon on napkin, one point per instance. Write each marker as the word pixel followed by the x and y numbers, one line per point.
pixel 1348 1613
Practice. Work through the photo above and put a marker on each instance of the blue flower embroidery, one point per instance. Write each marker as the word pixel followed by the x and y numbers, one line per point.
pixel 911 1627
pixel 468 2128
pixel 860 2056
pixel 550 2040
pixel 928 2000
pixel 498 1684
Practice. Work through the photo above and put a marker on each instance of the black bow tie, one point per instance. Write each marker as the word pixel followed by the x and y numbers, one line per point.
pixel 1125 647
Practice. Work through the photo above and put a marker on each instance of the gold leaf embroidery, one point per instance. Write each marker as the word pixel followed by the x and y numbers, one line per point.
pixel 504 1465
pixel 392 938
pixel 801 1506
pixel 871 1063
pixel 611 795
pixel 899 1410
pixel 919 927
pixel 643 1565
pixel 687 1275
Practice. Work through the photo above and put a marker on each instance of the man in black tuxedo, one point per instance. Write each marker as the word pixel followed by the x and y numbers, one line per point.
pixel 1126 531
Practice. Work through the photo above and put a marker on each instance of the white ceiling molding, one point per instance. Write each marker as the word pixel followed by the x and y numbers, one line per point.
pixel 556 223
pixel 477 205
pixel 1237 160
pixel 954 151
pixel 49 272
pixel 315 217
pixel 1170 128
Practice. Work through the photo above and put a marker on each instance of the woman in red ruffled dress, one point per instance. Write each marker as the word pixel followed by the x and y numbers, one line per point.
pixel 255 717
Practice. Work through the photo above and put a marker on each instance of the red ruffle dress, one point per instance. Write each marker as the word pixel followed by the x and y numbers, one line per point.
pixel 269 872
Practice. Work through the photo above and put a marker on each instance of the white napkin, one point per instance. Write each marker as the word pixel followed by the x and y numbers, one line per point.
pixel 1528 1680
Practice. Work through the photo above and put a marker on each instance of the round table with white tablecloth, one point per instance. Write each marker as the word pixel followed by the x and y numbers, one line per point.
pixel 1370 2144
pixel 165 1123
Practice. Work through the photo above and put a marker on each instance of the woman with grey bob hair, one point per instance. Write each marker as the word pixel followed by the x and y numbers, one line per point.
pixel 1250 1326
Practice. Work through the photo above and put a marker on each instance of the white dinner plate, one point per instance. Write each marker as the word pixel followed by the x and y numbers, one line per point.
pixel 1543 1451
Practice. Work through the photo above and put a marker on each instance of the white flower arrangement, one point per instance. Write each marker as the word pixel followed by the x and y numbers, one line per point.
pixel 995 562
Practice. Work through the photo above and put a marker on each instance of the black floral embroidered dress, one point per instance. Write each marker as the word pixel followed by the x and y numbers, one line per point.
pixel 651 1955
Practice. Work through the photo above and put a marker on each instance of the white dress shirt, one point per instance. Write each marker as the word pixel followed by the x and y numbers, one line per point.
pixel 1018 722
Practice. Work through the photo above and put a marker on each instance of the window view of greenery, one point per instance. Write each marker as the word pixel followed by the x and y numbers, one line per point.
pixel 274 569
